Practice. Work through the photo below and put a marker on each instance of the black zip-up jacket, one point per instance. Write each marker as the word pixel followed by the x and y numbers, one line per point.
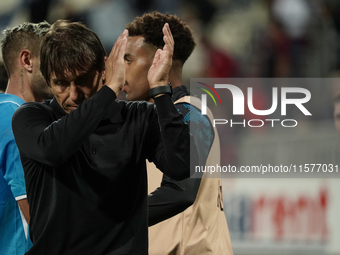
pixel 85 171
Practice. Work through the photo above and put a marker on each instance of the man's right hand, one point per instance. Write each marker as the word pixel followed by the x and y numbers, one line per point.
pixel 158 74
pixel 114 65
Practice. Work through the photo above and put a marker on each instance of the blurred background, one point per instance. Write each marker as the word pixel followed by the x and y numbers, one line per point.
pixel 246 39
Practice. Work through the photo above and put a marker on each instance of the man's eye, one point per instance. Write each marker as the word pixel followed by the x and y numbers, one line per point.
pixel 128 61
pixel 61 83
pixel 81 82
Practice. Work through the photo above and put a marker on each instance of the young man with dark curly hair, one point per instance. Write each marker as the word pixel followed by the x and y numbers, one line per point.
pixel 185 217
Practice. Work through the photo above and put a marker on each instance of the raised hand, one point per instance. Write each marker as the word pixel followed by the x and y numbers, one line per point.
pixel 158 74
pixel 114 65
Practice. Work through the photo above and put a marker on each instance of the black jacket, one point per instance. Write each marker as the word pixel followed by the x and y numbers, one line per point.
pixel 85 171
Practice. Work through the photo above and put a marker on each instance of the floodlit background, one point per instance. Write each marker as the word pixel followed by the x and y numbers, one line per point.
pixel 247 39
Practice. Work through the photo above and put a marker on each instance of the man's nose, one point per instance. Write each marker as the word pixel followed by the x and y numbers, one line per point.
pixel 74 92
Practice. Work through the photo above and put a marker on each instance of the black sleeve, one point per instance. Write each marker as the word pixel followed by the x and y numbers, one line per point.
pixel 173 197
pixel 172 151
pixel 41 138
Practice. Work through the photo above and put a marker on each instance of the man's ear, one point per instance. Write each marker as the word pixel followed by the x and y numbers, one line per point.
pixel 103 73
pixel 26 60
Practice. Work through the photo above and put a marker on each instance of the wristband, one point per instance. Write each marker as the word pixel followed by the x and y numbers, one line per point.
pixel 167 89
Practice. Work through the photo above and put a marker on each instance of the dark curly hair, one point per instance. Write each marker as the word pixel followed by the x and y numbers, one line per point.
pixel 150 27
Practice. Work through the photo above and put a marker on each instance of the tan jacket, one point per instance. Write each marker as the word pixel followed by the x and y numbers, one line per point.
pixel 202 228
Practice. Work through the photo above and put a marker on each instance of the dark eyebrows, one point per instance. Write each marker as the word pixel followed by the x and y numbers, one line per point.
pixel 81 78
pixel 57 81
pixel 85 76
